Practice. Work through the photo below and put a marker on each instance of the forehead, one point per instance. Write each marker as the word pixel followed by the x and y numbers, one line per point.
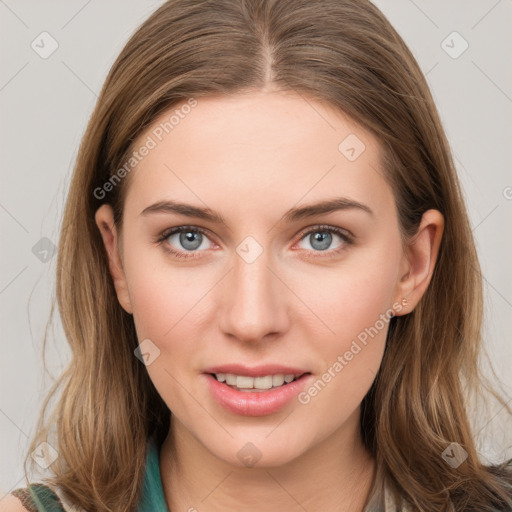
pixel 256 151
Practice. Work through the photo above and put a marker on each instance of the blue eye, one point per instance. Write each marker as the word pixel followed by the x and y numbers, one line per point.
pixel 320 238
pixel 186 239
pixel 189 242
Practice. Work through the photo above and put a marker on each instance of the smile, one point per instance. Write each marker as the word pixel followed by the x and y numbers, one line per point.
pixel 255 396
pixel 256 384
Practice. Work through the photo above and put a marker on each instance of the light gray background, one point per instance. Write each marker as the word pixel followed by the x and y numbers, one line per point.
pixel 45 105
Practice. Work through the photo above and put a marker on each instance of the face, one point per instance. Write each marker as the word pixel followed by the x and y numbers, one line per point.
pixel 271 287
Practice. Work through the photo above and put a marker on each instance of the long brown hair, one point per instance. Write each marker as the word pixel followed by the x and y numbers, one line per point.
pixel 343 53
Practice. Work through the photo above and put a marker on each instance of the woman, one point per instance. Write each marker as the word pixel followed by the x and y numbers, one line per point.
pixel 265 236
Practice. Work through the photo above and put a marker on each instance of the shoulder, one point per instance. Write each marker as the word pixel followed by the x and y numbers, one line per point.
pixel 12 503
pixel 34 498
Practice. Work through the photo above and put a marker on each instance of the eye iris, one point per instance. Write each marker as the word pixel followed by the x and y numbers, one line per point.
pixel 190 240
pixel 323 237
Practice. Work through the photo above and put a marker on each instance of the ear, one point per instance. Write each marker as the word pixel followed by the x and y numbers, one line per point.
pixel 418 262
pixel 104 218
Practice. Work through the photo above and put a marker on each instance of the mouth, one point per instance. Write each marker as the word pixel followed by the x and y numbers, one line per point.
pixel 248 384
pixel 260 395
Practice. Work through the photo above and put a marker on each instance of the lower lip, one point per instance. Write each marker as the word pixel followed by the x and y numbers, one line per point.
pixel 257 403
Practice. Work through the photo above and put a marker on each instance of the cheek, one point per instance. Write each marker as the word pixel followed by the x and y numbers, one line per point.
pixel 164 297
pixel 172 307
pixel 166 306
pixel 354 303
pixel 351 297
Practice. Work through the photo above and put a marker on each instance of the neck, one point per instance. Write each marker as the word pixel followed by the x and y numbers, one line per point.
pixel 334 475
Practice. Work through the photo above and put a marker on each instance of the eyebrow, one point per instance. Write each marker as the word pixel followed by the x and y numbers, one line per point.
pixel 292 215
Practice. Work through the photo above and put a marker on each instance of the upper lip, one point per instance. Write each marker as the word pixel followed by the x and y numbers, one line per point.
pixel 256 371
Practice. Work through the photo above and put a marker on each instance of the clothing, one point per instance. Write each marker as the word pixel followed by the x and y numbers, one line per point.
pixel 153 499
pixel 41 498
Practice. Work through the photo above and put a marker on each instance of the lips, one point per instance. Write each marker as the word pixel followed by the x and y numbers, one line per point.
pixel 261 399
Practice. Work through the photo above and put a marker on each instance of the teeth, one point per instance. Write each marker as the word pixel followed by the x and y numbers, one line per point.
pixel 245 382
pixel 230 379
pixel 277 380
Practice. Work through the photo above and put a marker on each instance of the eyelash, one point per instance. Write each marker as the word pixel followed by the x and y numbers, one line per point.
pixel 348 239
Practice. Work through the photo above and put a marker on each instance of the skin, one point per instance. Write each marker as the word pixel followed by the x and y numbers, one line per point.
pixel 252 157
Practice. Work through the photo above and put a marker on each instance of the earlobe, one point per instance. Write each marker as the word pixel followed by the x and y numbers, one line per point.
pixel 419 261
pixel 104 219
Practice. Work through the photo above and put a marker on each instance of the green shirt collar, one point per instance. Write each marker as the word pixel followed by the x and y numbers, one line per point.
pixel 152 499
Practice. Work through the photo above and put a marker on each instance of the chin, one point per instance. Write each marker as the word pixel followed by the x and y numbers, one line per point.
pixel 256 451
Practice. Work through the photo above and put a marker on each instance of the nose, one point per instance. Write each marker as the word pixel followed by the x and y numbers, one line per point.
pixel 253 301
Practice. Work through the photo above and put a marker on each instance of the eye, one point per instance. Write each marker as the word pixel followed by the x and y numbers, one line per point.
pixel 184 239
pixel 320 239
pixel 190 241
